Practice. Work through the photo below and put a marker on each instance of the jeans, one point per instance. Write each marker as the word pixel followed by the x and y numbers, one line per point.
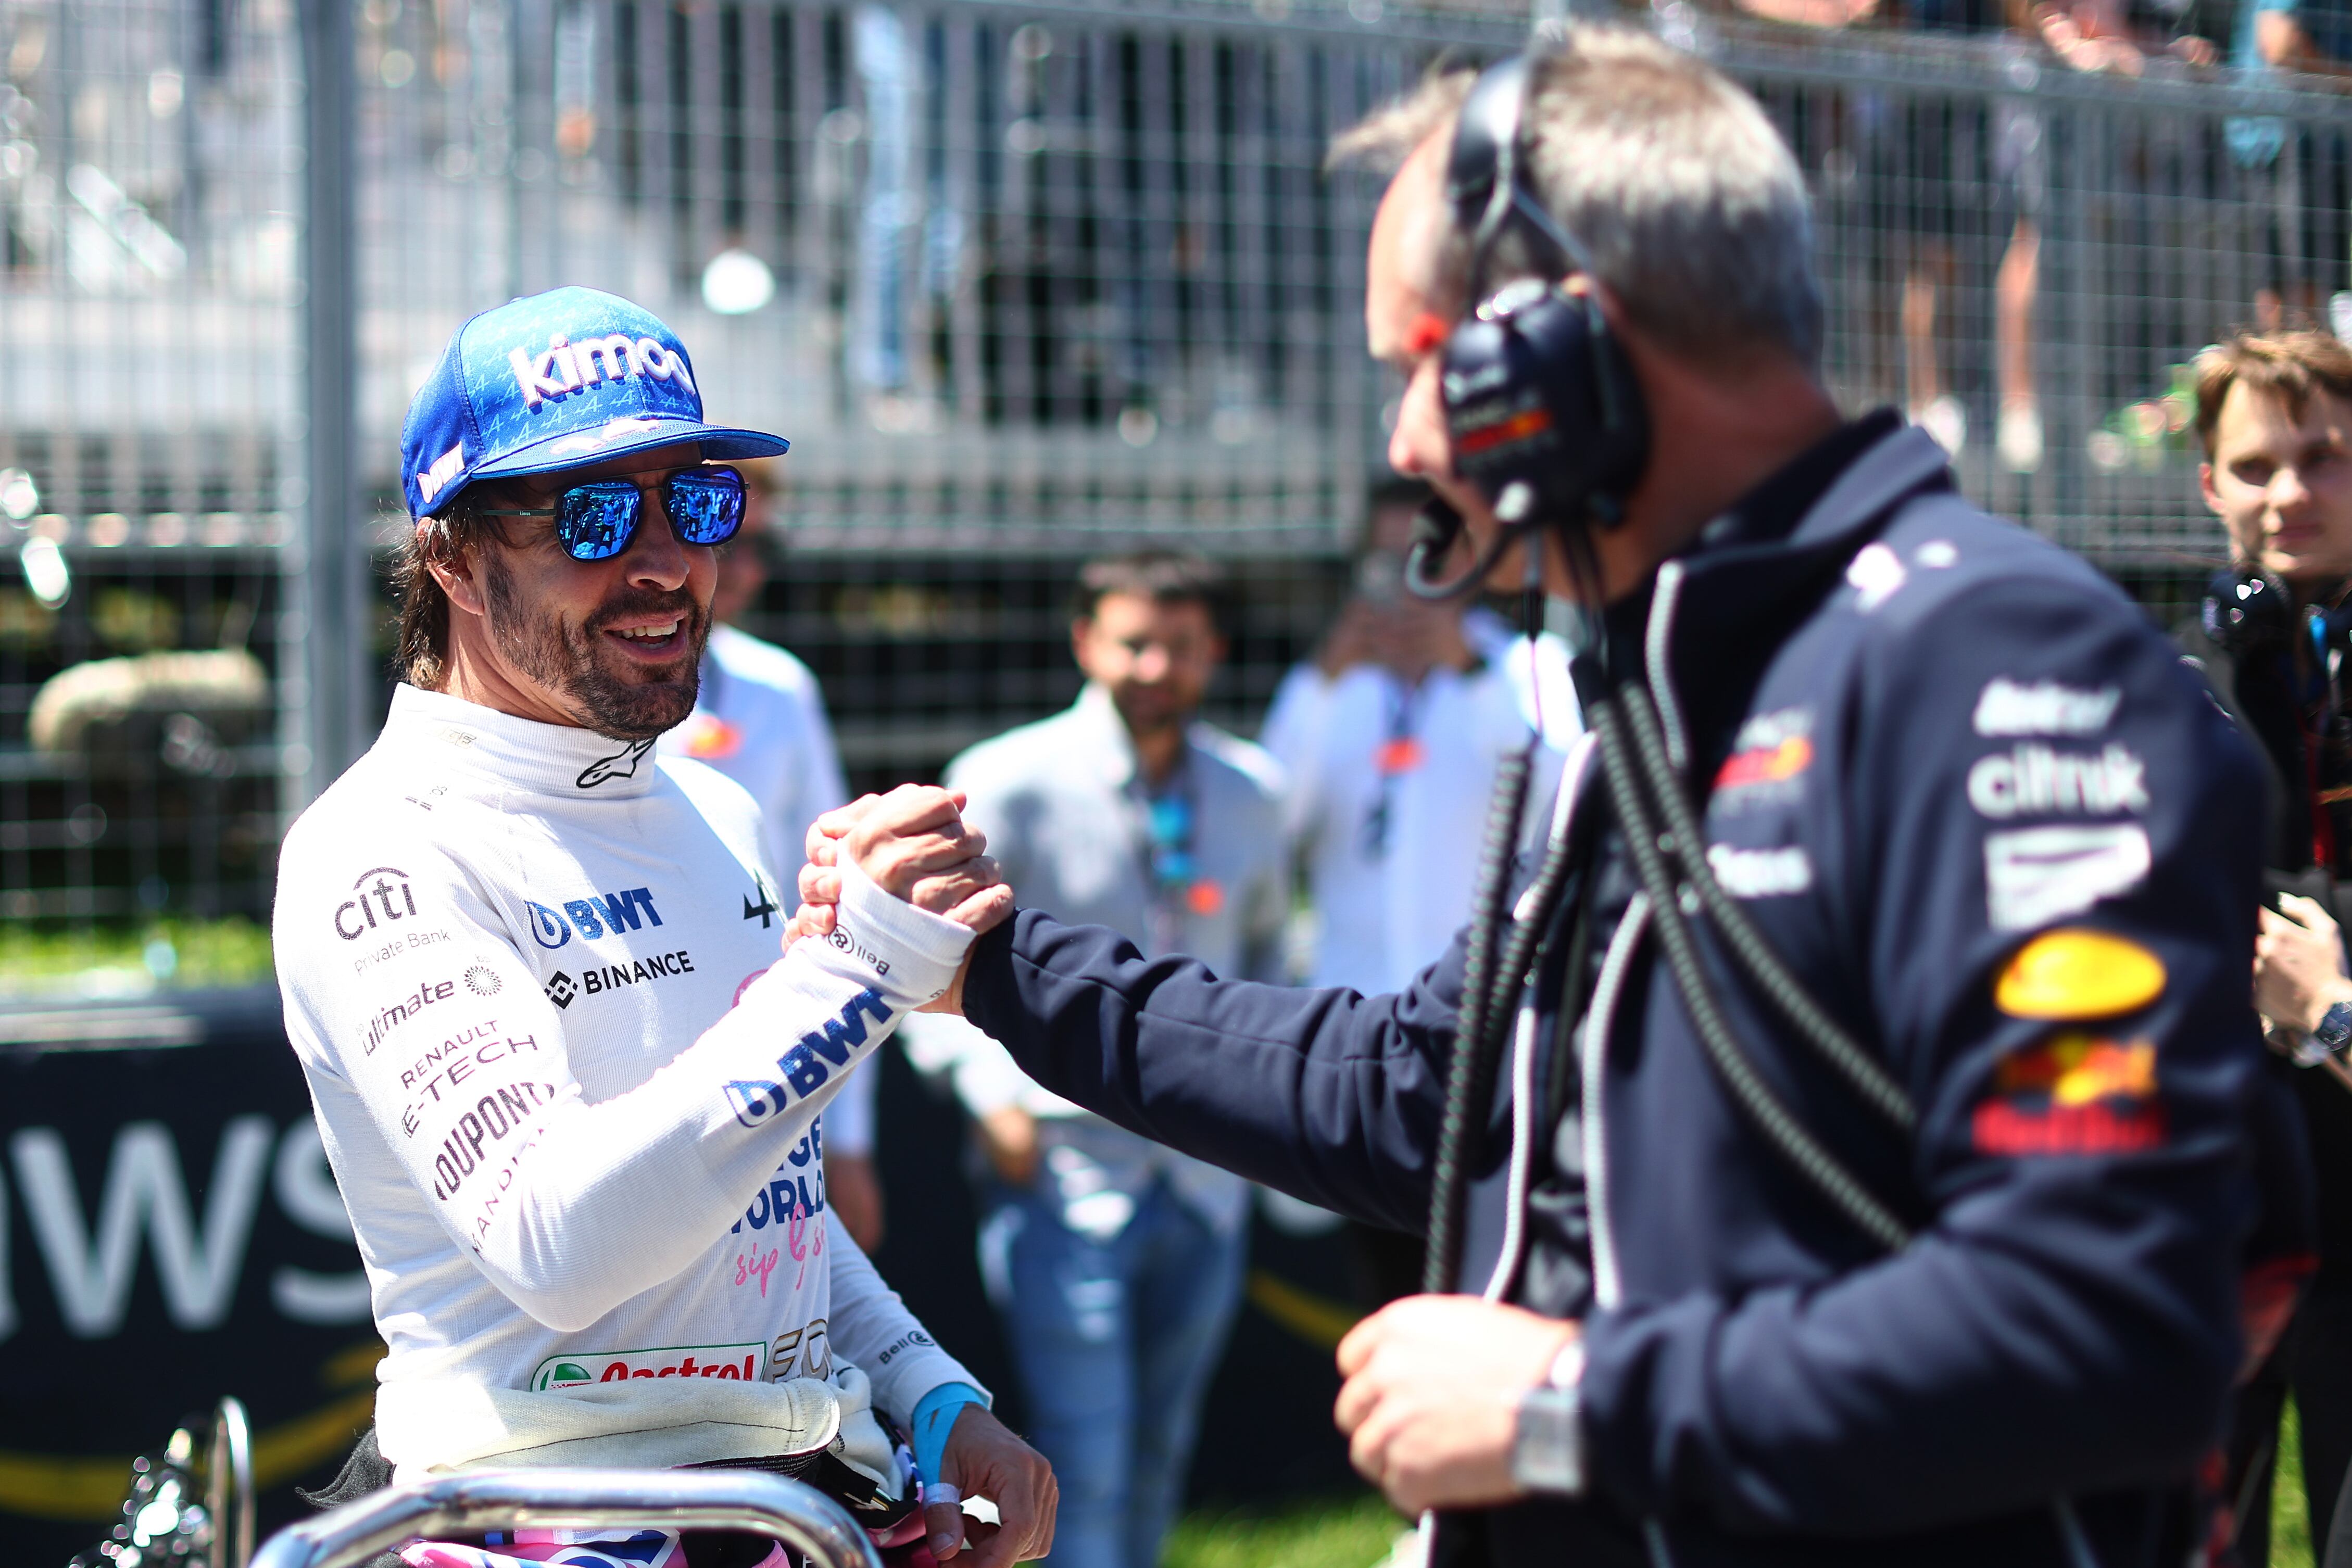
pixel 1113 1339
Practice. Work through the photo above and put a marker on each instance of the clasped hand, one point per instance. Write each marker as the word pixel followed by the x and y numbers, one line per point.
pixel 912 843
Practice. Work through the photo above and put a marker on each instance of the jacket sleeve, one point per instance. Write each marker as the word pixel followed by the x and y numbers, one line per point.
pixel 2050 853
pixel 569 1205
pixel 1327 1095
pixel 872 1330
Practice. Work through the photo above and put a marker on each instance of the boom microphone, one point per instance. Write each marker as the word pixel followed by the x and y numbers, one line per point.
pixel 1435 531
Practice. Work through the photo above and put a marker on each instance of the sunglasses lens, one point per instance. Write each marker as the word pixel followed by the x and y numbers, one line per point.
pixel 594 521
pixel 706 507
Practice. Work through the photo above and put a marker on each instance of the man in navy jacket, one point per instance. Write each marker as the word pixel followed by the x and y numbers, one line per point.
pixel 1975 806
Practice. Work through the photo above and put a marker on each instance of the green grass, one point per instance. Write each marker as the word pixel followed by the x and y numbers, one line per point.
pixel 1331 1533
pixel 129 959
pixel 2290 1520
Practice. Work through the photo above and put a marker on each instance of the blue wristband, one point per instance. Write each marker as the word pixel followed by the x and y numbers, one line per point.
pixel 934 1418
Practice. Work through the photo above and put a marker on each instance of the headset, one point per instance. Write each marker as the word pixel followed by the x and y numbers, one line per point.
pixel 1541 407
pixel 1547 420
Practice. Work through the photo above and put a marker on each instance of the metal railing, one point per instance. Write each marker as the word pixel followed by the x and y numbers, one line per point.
pixel 813 1525
pixel 1020 280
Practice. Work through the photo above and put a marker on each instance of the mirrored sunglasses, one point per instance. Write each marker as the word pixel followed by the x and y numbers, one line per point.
pixel 596 519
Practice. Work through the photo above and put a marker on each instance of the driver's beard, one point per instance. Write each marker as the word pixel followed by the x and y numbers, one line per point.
pixel 562 657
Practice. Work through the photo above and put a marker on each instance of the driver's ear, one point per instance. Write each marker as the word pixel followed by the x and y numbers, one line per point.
pixel 453 566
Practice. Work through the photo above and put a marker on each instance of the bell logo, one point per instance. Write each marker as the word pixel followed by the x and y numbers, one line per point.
pixel 566 367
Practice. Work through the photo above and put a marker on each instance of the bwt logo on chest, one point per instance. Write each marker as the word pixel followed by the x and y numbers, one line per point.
pixel 566 366
pixel 598 915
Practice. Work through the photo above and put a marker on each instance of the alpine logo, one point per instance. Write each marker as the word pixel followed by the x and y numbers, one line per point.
pixel 596 917
pixel 804 1066
pixel 561 990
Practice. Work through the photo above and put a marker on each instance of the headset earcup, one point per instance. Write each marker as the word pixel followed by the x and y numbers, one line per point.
pixel 1538 396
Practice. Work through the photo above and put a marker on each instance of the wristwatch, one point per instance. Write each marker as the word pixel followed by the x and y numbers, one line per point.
pixel 2334 1029
pixel 1547 1448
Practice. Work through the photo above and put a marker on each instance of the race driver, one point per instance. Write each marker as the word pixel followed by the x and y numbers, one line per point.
pixel 532 970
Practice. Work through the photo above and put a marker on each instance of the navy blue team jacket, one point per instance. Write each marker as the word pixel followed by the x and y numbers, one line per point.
pixel 1979 807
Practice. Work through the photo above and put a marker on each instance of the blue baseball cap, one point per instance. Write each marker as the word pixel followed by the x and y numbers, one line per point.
pixel 567 379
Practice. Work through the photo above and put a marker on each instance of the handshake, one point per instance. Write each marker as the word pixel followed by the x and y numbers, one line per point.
pixel 913 844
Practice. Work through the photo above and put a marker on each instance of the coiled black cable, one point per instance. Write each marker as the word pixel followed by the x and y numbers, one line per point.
pixel 1777 1124
pixel 1840 1050
pixel 1469 1080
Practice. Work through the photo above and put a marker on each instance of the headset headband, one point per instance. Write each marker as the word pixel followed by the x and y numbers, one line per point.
pixel 1482 172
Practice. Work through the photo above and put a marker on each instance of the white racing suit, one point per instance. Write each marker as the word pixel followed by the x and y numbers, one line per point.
pixel 570 1092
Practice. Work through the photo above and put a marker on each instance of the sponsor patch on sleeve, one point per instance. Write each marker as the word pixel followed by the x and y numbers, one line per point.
pixel 2035 875
pixel 2073 1092
pixel 2076 973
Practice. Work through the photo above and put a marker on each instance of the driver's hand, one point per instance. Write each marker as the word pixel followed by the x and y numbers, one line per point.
pixel 983 1459
pixel 913 844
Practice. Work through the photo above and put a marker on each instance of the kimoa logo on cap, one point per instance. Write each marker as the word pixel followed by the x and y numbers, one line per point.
pixel 567 367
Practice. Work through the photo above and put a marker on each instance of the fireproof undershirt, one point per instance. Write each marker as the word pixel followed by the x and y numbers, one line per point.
pixel 568 1091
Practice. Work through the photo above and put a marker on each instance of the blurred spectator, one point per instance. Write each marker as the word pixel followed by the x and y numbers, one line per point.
pixel 1921 182
pixel 759 719
pixel 1390 738
pixel 1115 1264
pixel 2297 180
pixel 2275 416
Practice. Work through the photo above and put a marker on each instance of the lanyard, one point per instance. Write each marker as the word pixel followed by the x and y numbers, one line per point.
pixel 1169 820
pixel 1400 753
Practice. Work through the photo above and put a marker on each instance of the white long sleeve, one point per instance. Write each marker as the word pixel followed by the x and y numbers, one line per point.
pixel 565 1085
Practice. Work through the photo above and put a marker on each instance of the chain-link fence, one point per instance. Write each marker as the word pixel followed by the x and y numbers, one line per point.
pixel 1020 280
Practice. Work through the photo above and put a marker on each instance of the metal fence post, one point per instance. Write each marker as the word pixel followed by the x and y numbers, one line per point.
pixel 339 644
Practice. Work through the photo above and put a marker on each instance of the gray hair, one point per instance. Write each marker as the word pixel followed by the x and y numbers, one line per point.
pixel 1691 205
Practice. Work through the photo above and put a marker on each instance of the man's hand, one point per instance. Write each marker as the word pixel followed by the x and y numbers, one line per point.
pixel 1431 1404
pixel 1008 1137
pixel 2298 966
pixel 913 844
pixel 982 1459
pixel 908 841
pixel 853 1192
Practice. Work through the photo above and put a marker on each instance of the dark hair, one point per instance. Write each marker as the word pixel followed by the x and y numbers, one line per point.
pixel 1163 575
pixel 421 645
pixel 2289 365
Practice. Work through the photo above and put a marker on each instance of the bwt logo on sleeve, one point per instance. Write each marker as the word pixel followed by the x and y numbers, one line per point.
pixel 375 889
pixel 803 1066
pixel 596 917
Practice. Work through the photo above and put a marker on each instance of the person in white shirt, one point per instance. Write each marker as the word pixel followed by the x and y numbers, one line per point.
pixel 759 718
pixel 1392 738
pixel 568 1089
pixel 1115 1264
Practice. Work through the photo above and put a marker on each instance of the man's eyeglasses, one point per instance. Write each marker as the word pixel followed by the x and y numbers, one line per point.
pixel 596 520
